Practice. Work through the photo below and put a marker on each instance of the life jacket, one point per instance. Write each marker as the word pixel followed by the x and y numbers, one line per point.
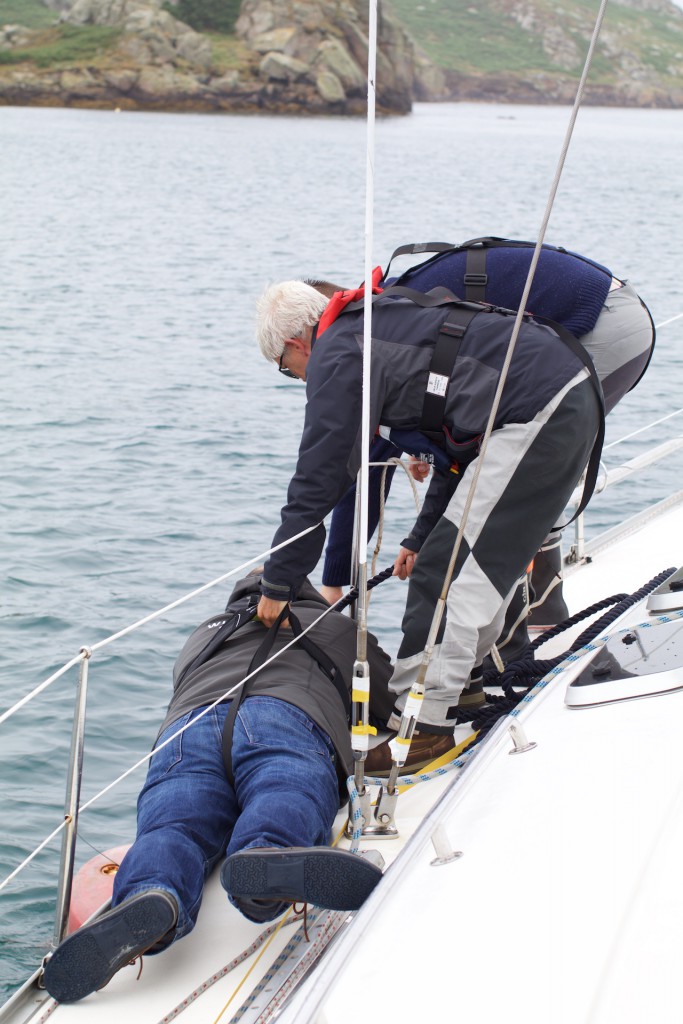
pixel 476 278
pixel 340 300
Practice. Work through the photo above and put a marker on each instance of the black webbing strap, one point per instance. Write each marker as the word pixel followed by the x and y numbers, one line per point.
pixel 652 347
pixel 428 300
pixel 260 657
pixel 479 244
pixel 417 248
pixel 446 349
pixel 476 277
pixel 221 634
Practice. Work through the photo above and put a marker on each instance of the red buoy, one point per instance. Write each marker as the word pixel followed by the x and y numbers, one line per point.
pixel 93 885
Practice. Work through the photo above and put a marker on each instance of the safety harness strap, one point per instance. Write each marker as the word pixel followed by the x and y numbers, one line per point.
pixel 476 277
pixel 260 657
pixel 593 468
pixel 441 367
pixel 220 635
pixel 480 245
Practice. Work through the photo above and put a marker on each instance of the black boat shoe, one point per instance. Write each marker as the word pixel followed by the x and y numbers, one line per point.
pixel 88 959
pixel 320 875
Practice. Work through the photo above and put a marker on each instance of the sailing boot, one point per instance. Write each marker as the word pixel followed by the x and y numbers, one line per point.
pixel 473 695
pixel 425 747
pixel 548 605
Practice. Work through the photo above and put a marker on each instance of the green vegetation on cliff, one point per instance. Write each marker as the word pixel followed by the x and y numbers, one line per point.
pixel 206 15
pixel 464 35
pixel 30 13
pixel 524 51
pixel 64 46
pixel 481 37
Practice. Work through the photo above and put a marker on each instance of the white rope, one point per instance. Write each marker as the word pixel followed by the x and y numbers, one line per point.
pixel 671 320
pixel 87 651
pixel 382 505
pixel 649 426
pixel 43 686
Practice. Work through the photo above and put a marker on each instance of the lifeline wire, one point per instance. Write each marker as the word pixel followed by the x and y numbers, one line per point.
pixel 146 758
pixel 85 652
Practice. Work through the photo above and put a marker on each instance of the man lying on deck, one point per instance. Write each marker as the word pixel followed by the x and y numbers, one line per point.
pixel 263 783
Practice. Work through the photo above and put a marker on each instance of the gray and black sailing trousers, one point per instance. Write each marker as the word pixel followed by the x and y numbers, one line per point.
pixel 527 476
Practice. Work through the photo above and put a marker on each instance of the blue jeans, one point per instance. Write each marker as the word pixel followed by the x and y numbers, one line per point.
pixel 286 794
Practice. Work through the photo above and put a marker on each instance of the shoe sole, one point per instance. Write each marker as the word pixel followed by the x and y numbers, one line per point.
pixel 332 879
pixel 89 958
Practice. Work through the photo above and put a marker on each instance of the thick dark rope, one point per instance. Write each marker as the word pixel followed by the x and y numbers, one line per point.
pixel 526 672
pixel 353 592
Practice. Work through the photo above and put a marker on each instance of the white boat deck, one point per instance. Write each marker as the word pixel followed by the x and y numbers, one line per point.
pixel 565 905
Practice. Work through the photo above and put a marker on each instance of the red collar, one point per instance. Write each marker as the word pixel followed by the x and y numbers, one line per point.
pixel 340 300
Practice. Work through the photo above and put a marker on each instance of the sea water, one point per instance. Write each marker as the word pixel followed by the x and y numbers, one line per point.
pixel 146 447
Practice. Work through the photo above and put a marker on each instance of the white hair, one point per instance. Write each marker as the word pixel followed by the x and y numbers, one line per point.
pixel 284 311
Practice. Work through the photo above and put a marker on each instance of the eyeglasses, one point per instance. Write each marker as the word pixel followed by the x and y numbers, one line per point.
pixel 283 369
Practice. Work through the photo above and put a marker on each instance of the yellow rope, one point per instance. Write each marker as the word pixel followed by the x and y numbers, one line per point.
pixel 335 841
pixel 263 949
pixel 446 758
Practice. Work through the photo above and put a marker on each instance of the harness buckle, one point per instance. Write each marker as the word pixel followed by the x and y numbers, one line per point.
pixel 454 330
pixel 480 280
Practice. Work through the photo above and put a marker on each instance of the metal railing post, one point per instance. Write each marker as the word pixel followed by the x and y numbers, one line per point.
pixel 73 796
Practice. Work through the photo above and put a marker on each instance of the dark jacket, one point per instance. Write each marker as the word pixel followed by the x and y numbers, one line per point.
pixel 293 677
pixel 404 336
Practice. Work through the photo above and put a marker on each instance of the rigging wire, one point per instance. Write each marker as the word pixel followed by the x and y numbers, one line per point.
pixel 649 426
pixel 367 335
pixel 417 690
pixel 360 695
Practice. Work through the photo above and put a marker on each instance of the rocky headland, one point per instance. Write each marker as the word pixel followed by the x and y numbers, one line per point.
pixel 310 57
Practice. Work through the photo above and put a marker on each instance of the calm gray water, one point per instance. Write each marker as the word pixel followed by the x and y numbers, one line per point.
pixel 146 447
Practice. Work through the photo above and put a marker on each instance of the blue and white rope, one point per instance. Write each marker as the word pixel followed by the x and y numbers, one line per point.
pixel 594 645
pixel 549 677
